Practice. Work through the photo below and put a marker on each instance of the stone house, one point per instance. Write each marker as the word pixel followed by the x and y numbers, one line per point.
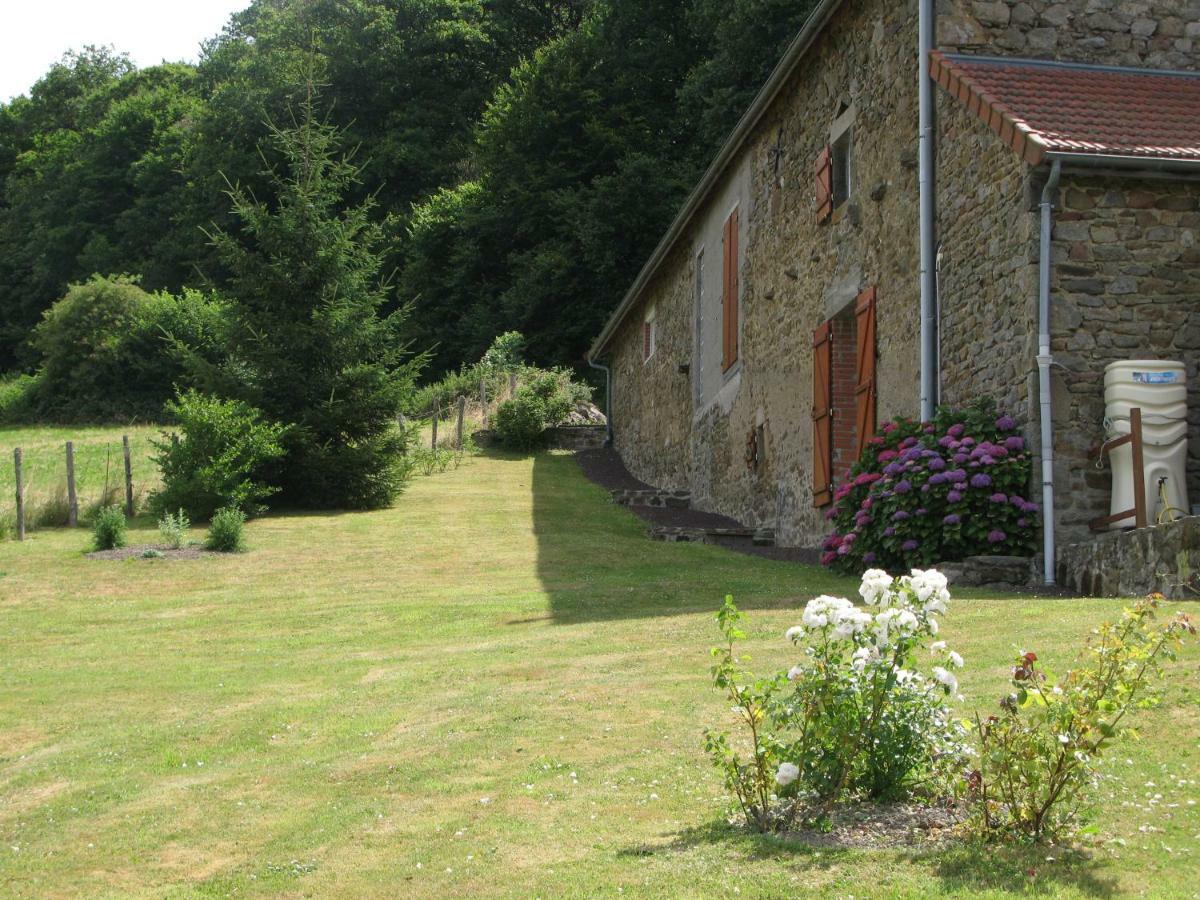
pixel 801 295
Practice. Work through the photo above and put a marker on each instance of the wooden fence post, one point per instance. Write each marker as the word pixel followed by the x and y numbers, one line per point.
pixel 20 495
pixel 1140 517
pixel 128 476
pixel 437 414
pixel 72 497
pixel 462 411
pixel 483 400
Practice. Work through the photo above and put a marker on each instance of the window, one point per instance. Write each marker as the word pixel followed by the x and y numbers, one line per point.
pixel 842 168
pixel 649 335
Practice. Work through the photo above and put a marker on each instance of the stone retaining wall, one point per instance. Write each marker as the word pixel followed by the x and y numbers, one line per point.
pixel 1163 559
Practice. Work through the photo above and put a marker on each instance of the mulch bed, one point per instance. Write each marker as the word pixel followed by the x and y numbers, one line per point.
pixel 876 826
pixel 139 553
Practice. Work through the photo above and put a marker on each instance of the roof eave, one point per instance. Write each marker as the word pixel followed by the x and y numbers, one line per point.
pixel 770 91
pixel 1124 161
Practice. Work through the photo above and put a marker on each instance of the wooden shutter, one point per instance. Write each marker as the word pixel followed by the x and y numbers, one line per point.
pixel 646 340
pixel 865 390
pixel 822 415
pixel 729 293
pixel 824 184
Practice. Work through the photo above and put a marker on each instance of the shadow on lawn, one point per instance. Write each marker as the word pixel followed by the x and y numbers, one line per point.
pixel 966 867
pixel 596 563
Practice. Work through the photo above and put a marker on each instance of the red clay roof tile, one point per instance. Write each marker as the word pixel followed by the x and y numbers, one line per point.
pixel 1047 107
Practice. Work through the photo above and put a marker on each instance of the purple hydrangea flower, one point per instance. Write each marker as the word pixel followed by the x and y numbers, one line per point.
pixel 843 550
pixel 869 557
pixel 831 514
pixel 954 497
pixel 961 458
pixel 922 511
pixel 937 464
pixel 899 515
pixel 1014 443
pixel 996 536
pixel 834 540
pixel 1022 522
pixel 903 487
pixel 968 442
pixel 893 469
pixel 910 545
pixel 1006 423
pixel 947 441
pixel 956 430
pixel 925 489
pixel 957 475
pixel 981 480
pixel 889 531
pixel 998 497
pixel 952 519
pixel 938 478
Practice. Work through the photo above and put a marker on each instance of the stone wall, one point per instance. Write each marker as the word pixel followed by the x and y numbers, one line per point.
pixel 1164 559
pixel 796 274
pixel 1126 285
pixel 1161 34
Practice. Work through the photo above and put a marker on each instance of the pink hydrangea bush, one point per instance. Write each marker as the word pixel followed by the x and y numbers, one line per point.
pixel 927 492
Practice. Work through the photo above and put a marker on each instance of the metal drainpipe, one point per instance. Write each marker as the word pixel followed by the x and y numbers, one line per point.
pixel 608 417
pixel 928 238
pixel 1045 360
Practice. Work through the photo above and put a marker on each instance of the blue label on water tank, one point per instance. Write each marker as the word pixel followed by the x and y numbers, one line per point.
pixel 1156 377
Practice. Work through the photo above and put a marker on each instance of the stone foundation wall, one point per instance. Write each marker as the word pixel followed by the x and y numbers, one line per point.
pixel 1161 34
pixel 1126 285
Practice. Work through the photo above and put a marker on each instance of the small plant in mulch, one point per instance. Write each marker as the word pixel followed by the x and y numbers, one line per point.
pixel 226 531
pixel 109 529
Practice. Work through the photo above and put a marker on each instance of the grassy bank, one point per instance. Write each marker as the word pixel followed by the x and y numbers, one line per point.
pixel 497 687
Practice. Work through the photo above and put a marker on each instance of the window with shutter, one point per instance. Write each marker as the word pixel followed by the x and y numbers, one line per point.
pixel 824 184
pixel 729 293
pixel 865 389
pixel 822 416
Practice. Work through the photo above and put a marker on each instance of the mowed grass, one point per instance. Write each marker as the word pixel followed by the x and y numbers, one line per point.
pixel 496 688
pixel 99 465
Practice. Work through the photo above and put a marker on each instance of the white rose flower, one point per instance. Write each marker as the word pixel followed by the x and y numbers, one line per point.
pixel 945 677
pixel 795 672
pixel 937 646
pixel 956 660
pixel 876 584
pixel 787 773
pixel 929 585
pixel 933 626
pixel 795 633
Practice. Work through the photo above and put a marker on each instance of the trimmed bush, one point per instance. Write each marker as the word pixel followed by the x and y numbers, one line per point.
pixel 225 531
pixel 519 422
pixel 108 529
pixel 935 492
pixel 219 457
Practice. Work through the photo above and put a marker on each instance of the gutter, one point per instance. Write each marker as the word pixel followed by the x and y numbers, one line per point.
pixel 608 416
pixel 928 217
pixel 1124 162
pixel 1045 360
pixel 770 91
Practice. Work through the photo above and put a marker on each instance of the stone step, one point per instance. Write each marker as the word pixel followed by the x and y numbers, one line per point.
pixel 760 537
pixel 653 498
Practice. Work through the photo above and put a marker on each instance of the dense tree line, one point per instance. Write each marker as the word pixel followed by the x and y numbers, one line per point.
pixel 520 157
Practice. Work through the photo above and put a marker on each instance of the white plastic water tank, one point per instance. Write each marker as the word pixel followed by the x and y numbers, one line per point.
pixel 1159 388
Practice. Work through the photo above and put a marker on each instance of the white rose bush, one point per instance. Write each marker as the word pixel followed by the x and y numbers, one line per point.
pixel 856 717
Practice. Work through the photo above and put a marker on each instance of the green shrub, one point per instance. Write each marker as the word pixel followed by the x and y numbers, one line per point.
pixel 1039 754
pixel 173 528
pixel 108 530
pixel 219 457
pixel 506 354
pixel 17 397
pixel 225 531
pixel 519 422
pixel 110 350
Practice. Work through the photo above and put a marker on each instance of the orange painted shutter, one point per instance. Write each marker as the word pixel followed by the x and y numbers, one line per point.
pixel 824 184
pixel 729 293
pixel 822 415
pixel 866 390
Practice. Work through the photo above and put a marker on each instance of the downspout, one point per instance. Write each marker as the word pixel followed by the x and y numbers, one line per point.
pixel 929 363
pixel 608 416
pixel 1045 360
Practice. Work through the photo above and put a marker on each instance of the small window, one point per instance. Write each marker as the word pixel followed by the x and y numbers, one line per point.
pixel 649 336
pixel 843 170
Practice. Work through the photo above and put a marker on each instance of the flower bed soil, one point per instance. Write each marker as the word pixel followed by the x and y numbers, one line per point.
pixel 137 553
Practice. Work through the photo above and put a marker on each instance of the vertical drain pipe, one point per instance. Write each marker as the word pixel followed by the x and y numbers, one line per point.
pixel 929 363
pixel 1045 360
pixel 608 439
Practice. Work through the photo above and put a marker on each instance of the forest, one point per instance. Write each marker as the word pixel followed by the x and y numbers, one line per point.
pixel 519 159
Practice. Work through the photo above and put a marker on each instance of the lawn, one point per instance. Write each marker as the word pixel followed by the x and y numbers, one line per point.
pixel 497 687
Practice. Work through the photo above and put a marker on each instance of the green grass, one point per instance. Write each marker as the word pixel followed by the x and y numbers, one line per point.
pixel 496 688
pixel 99 462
